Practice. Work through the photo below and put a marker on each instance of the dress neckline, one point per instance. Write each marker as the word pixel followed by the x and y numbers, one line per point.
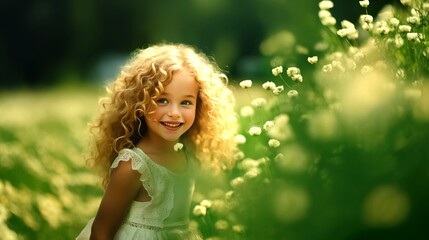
pixel 181 173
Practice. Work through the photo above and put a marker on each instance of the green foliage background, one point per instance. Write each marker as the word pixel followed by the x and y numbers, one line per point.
pixel 352 161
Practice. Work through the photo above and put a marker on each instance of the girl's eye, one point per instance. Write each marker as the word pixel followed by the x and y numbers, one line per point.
pixel 162 101
pixel 186 102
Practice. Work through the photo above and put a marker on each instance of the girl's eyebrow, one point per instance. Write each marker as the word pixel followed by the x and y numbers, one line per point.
pixel 189 96
pixel 185 96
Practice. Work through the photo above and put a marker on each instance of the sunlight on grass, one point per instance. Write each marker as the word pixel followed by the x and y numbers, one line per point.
pixel 49 191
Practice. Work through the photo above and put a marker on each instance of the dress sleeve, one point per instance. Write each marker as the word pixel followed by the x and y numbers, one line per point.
pixel 137 164
pixel 155 179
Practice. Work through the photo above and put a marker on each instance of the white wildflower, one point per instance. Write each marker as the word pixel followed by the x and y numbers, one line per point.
pixel 292 93
pixel 413 19
pixel 328 21
pixel 324 14
pixel 178 146
pixel 274 143
pixel 255 131
pixel 347 24
pixel 248 164
pixel 353 34
pixel 297 77
pixel 342 32
pixel 313 59
pixel 327 68
pixel 258 102
pixel 268 125
pixel 206 203
pixel 237 182
pixel 277 90
pixel 247 111
pixel 383 30
pixel 326 4
pixel 252 173
pixel 348 31
pixel 404 28
pixel 413 36
pixel 293 71
pixel 365 18
pixel 269 85
pixel 394 22
pixel 199 211
pixel 277 70
pixel 364 3
pixel 239 139
pixel 367 26
pixel 246 83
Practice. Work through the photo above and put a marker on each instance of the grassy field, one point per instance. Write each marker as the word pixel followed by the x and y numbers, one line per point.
pixel 369 183
pixel 46 190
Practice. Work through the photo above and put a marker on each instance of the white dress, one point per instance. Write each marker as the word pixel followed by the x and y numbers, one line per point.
pixel 166 215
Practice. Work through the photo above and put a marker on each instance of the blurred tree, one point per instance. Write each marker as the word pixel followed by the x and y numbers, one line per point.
pixel 46 41
pixel 34 39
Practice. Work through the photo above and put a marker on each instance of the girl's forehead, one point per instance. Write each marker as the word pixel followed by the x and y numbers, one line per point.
pixel 182 81
pixel 184 75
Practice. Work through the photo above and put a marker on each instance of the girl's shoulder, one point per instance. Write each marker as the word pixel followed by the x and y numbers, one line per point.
pixel 138 160
pixel 142 163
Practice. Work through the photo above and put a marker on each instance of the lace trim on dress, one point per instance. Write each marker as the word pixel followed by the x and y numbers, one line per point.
pixel 137 164
pixel 156 181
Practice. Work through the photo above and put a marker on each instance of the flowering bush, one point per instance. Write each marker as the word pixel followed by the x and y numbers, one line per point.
pixel 339 151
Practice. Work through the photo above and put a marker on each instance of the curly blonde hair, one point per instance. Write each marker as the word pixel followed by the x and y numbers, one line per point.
pixel 120 123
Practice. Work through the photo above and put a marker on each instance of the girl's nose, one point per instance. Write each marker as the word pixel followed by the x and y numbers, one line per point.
pixel 174 112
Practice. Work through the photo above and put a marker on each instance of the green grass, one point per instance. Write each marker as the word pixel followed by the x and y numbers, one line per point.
pixel 358 185
pixel 47 190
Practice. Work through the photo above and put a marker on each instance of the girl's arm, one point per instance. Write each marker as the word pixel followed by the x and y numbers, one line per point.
pixel 123 186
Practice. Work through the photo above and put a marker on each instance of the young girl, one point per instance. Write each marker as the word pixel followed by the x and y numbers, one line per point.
pixel 167 97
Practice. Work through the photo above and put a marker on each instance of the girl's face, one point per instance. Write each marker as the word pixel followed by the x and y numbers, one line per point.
pixel 176 109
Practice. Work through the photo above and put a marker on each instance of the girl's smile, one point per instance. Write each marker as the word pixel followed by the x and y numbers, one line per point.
pixel 176 109
pixel 172 126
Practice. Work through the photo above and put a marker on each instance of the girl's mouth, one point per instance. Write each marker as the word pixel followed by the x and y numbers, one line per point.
pixel 171 125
